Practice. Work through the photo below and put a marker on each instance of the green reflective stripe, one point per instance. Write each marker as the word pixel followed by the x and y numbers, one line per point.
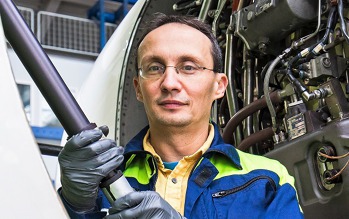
pixel 250 162
pixel 224 166
pixel 137 167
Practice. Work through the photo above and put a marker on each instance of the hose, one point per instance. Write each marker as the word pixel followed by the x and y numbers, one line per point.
pixel 266 89
pixel 319 46
pixel 244 113
pixel 256 137
pixel 342 21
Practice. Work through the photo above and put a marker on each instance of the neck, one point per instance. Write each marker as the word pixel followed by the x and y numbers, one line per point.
pixel 173 143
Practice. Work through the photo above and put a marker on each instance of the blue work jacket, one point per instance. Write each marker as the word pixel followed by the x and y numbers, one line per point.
pixel 225 183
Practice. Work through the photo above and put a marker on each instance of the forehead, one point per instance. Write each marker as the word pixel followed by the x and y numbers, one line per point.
pixel 173 40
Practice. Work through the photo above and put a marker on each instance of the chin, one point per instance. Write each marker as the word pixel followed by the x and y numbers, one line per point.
pixel 176 122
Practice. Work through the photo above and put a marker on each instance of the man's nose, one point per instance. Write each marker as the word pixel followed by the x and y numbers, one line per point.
pixel 171 79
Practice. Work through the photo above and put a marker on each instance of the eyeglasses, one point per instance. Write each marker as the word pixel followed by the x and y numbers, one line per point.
pixel 155 70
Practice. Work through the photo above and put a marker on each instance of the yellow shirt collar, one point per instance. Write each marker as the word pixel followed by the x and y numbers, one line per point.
pixel 148 147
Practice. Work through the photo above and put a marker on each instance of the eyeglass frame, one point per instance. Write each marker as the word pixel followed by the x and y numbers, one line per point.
pixel 176 67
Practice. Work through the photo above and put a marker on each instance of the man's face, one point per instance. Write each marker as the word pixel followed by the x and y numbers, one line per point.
pixel 172 100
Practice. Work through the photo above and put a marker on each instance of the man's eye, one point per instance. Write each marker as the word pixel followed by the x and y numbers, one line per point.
pixel 154 68
pixel 189 68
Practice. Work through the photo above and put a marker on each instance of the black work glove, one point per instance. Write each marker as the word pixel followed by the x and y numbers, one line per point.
pixel 85 160
pixel 142 205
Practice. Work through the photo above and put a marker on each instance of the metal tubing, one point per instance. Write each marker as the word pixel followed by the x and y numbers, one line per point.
pixel 229 69
pixel 248 93
pixel 204 10
pixel 42 71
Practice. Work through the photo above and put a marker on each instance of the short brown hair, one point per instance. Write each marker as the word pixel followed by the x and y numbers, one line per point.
pixel 162 19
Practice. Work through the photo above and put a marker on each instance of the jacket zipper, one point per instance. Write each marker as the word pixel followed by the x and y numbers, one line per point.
pixel 242 187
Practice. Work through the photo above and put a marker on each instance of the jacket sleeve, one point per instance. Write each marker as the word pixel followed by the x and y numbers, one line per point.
pixel 101 204
pixel 285 203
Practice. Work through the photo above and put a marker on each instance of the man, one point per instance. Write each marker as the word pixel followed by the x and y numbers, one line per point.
pixel 180 161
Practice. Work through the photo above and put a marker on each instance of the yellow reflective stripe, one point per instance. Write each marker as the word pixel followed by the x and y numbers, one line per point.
pixel 135 167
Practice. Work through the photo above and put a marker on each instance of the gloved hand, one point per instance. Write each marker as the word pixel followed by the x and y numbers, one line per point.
pixel 142 205
pixel 85 160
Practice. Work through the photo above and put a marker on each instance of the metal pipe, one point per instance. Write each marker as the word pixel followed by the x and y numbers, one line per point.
pixel 302 40
pixel 42 71
pixel 220 7
pixel 204 10
pixel 229 68
pixel 248 93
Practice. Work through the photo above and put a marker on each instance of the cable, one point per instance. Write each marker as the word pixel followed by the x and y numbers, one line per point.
pixel 335 158
pixel 339 173
pixel 318 47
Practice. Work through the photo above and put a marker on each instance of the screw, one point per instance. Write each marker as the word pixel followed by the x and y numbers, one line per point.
pixel 326 62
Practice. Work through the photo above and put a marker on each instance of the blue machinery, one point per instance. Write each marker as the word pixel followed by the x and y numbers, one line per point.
pixel 98 11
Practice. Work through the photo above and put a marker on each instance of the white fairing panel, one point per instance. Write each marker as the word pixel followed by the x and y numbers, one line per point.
pixel 99 93
pixel 26 190
pixel 98 96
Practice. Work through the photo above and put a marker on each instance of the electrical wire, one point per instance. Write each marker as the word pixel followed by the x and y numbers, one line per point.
pixel 335 158
pixel 339 173
pixel 319 46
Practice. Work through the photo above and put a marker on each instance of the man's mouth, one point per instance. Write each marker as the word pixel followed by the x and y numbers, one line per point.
pixel 172 103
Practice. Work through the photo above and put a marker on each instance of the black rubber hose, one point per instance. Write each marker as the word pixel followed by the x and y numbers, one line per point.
pixel 342 20
pixel 244 113
pixel 255 138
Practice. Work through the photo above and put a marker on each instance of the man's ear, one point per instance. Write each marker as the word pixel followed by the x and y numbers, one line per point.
pixel 222 81
pixel 137 89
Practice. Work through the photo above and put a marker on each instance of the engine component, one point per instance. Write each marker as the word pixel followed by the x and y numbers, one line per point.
pixel 298 49
pixel 337 103
pixel 265 23
pixel 325 167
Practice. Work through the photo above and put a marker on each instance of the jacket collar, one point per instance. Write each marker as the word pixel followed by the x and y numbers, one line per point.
pixel 217 146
